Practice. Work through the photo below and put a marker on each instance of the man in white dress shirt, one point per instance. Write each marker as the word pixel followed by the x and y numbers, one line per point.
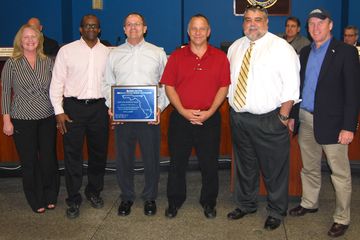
pixel 259 127
pixel 136 62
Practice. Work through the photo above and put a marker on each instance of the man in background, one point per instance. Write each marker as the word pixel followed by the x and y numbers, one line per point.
pixel 351 35
pixel 292 34
pixel 51 47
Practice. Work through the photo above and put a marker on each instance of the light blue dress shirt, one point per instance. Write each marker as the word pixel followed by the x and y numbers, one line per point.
pixel 312 72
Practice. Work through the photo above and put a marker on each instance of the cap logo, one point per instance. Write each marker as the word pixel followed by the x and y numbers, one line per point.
pixel 316 11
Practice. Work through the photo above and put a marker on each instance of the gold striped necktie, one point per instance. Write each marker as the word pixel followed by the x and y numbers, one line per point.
pixel 240 92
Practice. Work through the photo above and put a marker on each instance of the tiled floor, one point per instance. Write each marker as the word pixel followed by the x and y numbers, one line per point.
pixel 17 221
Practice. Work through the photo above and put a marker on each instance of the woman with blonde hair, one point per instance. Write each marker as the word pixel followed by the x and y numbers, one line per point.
pixel 28 116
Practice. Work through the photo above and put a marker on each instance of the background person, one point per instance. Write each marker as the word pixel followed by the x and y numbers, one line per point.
pixel 351 35
pixel 50 46
pixel 292 34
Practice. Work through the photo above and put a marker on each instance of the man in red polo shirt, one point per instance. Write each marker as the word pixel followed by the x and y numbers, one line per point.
pixel 196 80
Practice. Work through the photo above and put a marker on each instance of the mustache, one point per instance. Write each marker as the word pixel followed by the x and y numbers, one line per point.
pixel 253 28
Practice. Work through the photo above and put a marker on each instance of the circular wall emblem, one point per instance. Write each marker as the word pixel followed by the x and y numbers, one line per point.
pixel 263 3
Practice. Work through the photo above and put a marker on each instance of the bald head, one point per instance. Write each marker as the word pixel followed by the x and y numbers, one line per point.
pixel 35 22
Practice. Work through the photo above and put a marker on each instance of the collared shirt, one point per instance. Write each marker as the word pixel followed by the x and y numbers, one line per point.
pixel 197 80
pixel 78 72
pixel 273 76
pixel 25 91
pixel 142 64
pixel 299 42
pixel 313 67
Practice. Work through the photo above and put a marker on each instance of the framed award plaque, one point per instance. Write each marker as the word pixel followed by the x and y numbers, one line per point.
pixel 134 103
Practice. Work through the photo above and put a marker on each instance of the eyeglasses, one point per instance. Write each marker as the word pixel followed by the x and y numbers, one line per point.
pixel 291 26
pixel 129 25
pixel 349 35
pixel 90 26
pixel 256 6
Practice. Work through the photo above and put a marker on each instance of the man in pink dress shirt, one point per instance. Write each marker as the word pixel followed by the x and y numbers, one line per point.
pixel 81 112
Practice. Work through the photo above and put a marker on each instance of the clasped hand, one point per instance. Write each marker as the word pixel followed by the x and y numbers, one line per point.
pixel 196 117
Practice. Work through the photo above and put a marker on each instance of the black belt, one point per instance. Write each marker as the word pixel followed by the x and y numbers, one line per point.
pixel 86 101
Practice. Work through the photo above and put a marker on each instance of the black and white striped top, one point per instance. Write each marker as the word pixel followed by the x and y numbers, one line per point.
pixel 25 91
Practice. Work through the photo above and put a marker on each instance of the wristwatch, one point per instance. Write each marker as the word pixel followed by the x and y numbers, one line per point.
pixel 283 117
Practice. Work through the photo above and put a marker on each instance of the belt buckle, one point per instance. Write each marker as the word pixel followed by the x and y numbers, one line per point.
pixel 87 101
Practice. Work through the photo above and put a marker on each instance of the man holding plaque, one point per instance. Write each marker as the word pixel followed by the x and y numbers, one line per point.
pixel 136 63
pixel 195 122
pixel 79 105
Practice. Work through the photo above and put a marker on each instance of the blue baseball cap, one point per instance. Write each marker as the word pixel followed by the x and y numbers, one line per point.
pixel 319 13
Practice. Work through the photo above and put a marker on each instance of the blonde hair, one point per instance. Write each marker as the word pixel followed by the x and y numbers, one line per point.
pixel 18 51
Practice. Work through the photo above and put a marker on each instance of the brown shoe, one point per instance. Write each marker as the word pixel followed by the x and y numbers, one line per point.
pixel 301 211
pixel 337 230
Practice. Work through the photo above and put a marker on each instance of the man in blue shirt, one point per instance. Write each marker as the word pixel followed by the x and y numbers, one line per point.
pixel 328 117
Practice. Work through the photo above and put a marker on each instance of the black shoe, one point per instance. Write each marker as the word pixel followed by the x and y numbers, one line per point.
pixel 272 223
pixel 337 230
pixel 95 201
pixel 125 208
pixel 149 208
pixel 171 211
pixel 73 211
pixel 301 211
pixel 209 212
pixel 237 214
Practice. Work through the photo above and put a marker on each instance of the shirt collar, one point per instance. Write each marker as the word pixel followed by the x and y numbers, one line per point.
pixel 209 51
pixel 140 44
pixel 84 43
pixel 259 41
pixel 324 45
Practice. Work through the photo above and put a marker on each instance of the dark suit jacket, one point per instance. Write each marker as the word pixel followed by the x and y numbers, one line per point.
pixel 337 91
pixel 51 47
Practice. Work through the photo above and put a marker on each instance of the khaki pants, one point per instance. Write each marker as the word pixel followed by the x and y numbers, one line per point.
pixel 337 158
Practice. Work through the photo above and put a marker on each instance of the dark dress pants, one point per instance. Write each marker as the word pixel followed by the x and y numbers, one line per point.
pixel 35 142
pixel 90 121
pixel 183 136
pixel 148 137
pixel 261 144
